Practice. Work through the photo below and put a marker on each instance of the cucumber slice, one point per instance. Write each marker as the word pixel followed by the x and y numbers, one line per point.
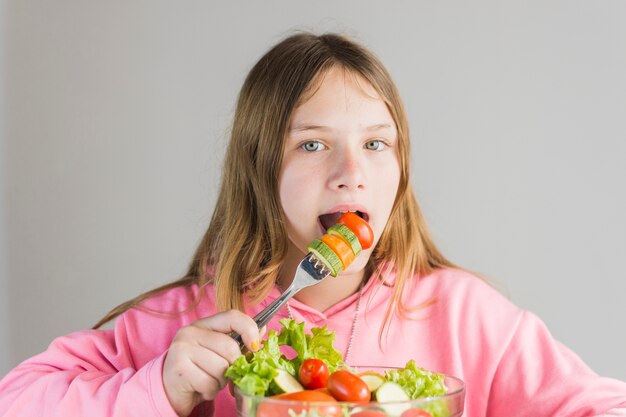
pixel 325 254
pixel 373 380
pixel 390 392
pixel 346 234
pixel 285 382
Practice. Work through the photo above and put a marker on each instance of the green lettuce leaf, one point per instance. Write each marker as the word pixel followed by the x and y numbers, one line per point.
pixel 417 382
pixel 254 372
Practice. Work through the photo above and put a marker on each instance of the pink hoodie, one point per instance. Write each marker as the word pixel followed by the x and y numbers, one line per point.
pixel 509 361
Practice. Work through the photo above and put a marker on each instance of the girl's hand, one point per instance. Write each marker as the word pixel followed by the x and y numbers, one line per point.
pixel 194 367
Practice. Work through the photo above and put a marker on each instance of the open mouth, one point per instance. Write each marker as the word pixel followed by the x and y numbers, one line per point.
pixel 329 219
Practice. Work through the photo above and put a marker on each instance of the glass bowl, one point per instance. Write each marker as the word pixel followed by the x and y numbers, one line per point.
pixel 447 405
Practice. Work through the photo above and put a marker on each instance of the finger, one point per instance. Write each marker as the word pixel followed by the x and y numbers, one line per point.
pixel 202 382
pixel 212 364
pixel 220 343
pixel 234 321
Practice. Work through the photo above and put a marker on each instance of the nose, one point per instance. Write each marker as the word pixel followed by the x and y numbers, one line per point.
pixel 347 171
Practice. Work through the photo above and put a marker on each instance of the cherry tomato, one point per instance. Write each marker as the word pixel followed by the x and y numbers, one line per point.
pixel 368 413
pixel 313 374
pixel 415 412
pixel 359 227
pixel 346 386
pixel 298 402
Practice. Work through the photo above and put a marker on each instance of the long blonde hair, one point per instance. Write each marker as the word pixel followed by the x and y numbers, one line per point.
pixel 246 242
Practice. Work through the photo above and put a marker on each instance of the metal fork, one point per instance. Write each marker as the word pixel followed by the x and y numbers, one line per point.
pixel 310 271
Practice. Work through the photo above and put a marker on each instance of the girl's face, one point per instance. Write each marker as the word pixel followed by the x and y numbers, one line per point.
pixel 340 155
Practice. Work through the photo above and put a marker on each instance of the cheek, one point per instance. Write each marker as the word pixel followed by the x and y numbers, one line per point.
pixel 286 187
pixel 295 202
pixel 388 181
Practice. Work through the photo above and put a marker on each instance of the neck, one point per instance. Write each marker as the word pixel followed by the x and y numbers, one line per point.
pixel 325 294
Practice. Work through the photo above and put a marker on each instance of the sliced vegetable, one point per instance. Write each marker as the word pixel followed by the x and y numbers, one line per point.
pixel 285 383
pixel 326 255
pixel 359 227
pixel 372 379
pixel 390 392
pixel 341 248
pixel 342 231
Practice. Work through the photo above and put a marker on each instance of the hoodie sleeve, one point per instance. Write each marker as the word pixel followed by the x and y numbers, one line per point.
pixel 94 373
pixel 537 375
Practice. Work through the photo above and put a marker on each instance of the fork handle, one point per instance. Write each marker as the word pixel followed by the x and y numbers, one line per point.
pixel 268 312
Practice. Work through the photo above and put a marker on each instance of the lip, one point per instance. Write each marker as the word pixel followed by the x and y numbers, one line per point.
pixel 344 207
pixel 347 207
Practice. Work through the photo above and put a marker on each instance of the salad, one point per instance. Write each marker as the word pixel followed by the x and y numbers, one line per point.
pixel 304 369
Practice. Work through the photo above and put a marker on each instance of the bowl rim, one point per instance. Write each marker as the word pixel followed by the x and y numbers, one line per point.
pixel 449 394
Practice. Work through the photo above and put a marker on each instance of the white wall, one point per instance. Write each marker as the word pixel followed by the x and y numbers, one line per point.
pixel 5 355
pixel 118 113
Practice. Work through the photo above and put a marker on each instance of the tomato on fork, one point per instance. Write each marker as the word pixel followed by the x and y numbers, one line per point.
pixel 359 227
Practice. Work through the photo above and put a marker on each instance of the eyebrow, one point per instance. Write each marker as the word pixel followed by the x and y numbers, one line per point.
pixel 305 127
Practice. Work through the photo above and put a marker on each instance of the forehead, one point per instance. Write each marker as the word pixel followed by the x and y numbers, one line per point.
pixel 337 75
pixel 337 94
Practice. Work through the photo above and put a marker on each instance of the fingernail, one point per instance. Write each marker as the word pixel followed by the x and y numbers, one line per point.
pixel 262 331
pixel 255 345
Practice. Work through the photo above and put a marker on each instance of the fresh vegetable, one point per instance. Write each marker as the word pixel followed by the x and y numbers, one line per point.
pixel 342 242
pixel 307 395
pixel 305 401
pixel 341 248
pixel 372 379
pixel 284 382
pixel 325 391
pixel 417 382
pixel 254 372
pixel 390 392
pixel 313 373
pixel 324 253
pixel 346 386
pixel 342 231
pixel 359 227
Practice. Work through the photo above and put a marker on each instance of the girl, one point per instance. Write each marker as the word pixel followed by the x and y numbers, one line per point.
pixel 319 129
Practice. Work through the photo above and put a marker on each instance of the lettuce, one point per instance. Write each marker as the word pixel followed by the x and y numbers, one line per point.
pixel 417 382
pixel 254 372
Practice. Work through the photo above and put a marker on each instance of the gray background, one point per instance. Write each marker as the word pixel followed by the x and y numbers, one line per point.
pixel 115 117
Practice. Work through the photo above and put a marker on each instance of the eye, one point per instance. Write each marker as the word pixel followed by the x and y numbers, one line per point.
pixel 313 146
pixel 375 145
